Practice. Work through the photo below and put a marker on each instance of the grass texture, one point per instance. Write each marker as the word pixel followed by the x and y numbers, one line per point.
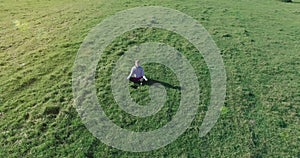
pixel 259 42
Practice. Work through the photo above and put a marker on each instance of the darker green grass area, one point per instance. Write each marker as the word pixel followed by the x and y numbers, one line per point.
pixel 259 43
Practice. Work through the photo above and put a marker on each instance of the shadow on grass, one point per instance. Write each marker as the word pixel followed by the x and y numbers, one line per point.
pixel 165 84
pixel 152 82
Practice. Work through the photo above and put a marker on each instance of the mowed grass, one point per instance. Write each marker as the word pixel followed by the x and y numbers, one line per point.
pixel 259 42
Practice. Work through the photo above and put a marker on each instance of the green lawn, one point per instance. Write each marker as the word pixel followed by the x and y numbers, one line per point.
pixel 259 42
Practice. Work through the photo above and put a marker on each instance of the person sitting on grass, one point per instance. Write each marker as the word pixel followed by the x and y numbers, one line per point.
pixel 137 73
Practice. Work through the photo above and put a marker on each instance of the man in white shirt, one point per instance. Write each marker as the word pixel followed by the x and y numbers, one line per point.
pixel 137 73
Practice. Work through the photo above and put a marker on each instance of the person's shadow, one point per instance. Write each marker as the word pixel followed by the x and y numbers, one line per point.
pixel 152 82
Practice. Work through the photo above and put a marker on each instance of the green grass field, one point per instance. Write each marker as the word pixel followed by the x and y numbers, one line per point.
pixel 259 42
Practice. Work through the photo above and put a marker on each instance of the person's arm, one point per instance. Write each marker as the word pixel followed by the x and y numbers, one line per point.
pixel 144 77
pixel 131 72
pixel 143 74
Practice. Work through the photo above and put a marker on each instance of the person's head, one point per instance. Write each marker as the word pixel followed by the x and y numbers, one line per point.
pixel 137 63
